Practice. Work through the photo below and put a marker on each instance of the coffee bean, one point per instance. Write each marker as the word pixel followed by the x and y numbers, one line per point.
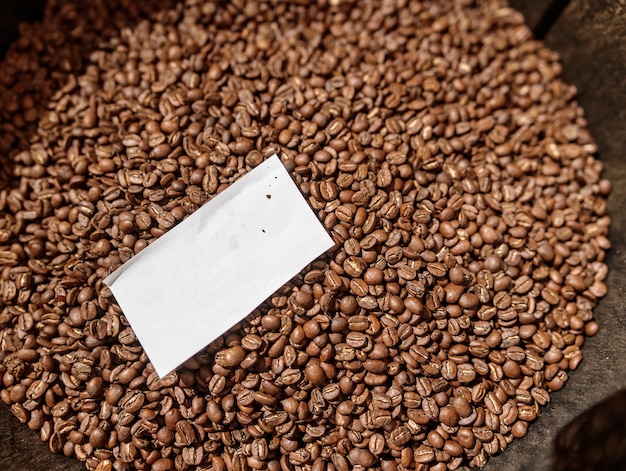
pixel 424 454
pixel 453 448
pixel 461 406
pixel 361 457
pixel 163 464
pixel 435 439
pixel 314 372
pixel 519 429
pixel 466 373
pixel 230 357
pixel 98 438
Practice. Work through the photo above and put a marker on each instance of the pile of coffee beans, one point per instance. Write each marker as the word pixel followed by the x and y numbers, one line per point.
pixel 435 140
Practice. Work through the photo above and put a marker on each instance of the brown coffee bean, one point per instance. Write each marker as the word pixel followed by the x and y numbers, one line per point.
pixel 465 438
pixel 461 406
pixel 448 416
pixel 314 372
pixel 185 433
pixel 230 357
pixel 453 448
pixel 354 266
pixel 424 454
pixel 435 439
pixel 163 464
pixel 465 373
pixel 414 305
pixel 361 457
pixel 114 394
pixel 519 429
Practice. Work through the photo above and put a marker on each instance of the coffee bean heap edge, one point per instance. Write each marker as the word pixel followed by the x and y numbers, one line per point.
pixel 437 143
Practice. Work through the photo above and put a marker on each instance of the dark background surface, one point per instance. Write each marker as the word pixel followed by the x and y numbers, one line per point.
pixel 591 37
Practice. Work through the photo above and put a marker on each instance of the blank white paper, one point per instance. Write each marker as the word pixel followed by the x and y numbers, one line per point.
pixel 213 269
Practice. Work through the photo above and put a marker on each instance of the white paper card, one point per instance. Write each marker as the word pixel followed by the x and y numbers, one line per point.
pixel 213 269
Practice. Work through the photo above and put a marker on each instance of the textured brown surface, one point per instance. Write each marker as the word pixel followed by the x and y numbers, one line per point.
pixel 590 40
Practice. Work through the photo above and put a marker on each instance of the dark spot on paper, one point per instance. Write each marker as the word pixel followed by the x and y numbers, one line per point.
pixel 269 197
pixel 263 230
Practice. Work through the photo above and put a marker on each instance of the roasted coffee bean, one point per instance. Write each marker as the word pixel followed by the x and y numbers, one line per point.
pixel 424 454
pixel 376 444
pixel 163 464
pixel 361 457
pixel 230 357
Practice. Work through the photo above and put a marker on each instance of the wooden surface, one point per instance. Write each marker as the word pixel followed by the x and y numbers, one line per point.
pixel 591 36
pixel 22 450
